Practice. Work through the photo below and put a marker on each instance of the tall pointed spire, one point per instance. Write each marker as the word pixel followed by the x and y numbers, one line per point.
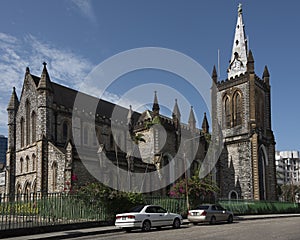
pixel 176 115
pixel 214 75
pixel 205 126
pixel 155 107
pixel 266 75
pixel 238 61
pixel 250 62
pixel 192 119
pixel 45 83
pixel 176 112
pixel 14 101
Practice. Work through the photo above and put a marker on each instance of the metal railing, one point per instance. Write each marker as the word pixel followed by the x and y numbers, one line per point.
pixel 37 209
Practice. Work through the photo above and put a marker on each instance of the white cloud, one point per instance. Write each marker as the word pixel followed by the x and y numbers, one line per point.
pixel 64 66
pixel 86 9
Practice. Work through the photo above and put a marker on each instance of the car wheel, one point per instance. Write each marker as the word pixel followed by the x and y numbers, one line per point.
pixel 176 223
pixel 212 220
pixel 195 223
pixel 146 226
pixel 230 219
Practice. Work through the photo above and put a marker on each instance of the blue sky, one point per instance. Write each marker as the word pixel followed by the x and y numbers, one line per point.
pixel 74 36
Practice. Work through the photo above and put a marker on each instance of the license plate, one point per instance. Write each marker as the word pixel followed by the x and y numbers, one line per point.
pixel 194 213
pixel 123 218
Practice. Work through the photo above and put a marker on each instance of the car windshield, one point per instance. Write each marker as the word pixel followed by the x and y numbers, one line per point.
pixel 202 207
pixel 137 208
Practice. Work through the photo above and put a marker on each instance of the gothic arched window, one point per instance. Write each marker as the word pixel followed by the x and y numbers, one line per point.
pixel 33 126
pixel 237 109
pixel 54 176
pixel 227 111
pixel 27 192
pixel 33 162
pixel 27 164
pixel 22 131
pixel 21 165
pixel 65 131
pixel 27 121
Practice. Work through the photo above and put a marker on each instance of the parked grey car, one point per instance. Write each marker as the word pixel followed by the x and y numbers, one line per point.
pixel 210 213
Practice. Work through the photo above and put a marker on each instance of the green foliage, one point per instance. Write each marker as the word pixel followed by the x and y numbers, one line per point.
pixel 288 192
pixel 198 190
pixel 137 138
pixel 19 208
pixel 112 200
pixel 155 120
pixel 241 207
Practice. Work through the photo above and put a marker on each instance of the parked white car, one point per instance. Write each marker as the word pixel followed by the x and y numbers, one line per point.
pixel 147 216
pixel 211 213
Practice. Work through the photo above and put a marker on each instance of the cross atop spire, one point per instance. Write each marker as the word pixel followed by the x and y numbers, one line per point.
pixel 238 61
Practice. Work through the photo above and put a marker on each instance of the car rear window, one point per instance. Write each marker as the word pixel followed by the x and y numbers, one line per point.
pixel 202 207
pixel 137 208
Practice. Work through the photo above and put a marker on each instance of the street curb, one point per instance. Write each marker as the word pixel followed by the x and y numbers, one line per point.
pixel 105 229
pixel 256 217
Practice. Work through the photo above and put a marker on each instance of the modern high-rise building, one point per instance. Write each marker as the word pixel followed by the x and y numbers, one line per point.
pixel 287 167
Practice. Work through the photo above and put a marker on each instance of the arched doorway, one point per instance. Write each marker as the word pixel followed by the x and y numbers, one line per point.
pixel 262 163
pixel 233 195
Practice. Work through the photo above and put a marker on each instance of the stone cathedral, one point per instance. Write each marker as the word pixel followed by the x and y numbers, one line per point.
pixel 42 157
pixel 41 154
pixel 241 107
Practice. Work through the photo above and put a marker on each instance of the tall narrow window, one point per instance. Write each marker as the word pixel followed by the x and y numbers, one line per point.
pixel 21 165
pixel 54 176
pixel 65 131
pixel 27 192
pixel 18 192
pixel 85 135
pixel 33 127
pixel 33 162
pixel 22 131
pixel 27 121
pixel 111 141
pixel 227 113
pixel 237 109
pixel 27 163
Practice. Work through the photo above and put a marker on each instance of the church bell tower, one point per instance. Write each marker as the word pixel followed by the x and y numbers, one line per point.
pixel 242 108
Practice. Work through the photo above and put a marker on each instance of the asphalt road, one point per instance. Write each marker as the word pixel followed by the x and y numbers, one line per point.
pixel 261 229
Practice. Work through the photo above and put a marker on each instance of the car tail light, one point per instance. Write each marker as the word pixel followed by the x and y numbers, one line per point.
pixel 203 213
pixel 130 217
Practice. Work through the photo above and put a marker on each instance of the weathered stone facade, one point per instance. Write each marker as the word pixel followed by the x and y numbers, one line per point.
pixel 241 107
pixel 43 157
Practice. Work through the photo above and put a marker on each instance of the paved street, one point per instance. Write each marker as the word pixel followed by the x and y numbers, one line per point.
pixel 261 229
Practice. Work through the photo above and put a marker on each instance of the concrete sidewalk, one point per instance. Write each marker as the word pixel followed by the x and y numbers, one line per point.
pixel 69 234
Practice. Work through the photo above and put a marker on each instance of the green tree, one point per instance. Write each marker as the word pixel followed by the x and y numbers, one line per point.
pixel 198 190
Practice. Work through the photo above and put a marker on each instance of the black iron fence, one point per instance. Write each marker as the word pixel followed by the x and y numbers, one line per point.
pixel 39 209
